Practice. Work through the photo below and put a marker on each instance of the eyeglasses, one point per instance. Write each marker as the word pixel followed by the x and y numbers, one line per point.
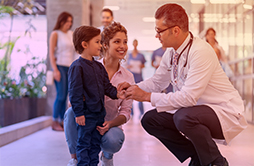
pixel 159 32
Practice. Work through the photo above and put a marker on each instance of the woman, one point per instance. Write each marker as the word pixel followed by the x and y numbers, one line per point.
pixel 210 38
pixel 136 62
pixel 114 44
pixel 61 54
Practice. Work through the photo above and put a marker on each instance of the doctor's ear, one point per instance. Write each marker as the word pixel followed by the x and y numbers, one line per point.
pixel 84 44
pixel 176 30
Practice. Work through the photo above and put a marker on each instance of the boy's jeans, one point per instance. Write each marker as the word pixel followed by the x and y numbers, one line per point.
pixel 112 140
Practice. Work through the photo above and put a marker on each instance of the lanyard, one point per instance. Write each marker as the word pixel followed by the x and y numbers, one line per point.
pixel 189 44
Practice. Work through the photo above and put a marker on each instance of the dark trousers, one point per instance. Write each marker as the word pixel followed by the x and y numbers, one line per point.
pixel 89 141
pixel 187 133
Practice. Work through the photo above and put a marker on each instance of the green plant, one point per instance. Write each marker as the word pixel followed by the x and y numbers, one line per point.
pixel 8 46
pixel 33 78
pixel 31 83
pixel 7 10
pixel 8 87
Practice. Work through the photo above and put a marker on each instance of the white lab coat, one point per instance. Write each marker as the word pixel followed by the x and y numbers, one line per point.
pixel 201 82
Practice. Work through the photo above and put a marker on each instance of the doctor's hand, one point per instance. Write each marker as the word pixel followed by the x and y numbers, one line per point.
pixel 123 86
pixel 135 93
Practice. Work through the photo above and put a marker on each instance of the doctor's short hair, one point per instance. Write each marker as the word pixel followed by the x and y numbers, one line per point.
pixel 84 33
pixel 173 14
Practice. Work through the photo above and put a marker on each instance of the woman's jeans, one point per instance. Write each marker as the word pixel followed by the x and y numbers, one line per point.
pixel 111 141
pixel 61 94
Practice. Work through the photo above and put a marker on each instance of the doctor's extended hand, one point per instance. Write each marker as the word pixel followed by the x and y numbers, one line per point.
pixel 134 92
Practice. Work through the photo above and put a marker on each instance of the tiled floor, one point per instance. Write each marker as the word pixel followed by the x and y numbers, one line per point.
pixel 48 148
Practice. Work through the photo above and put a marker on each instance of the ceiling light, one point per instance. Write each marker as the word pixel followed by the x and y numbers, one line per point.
pixel 198 1
pixel 245 6
pixel 226 1
pixel 148 19
pixel 114 8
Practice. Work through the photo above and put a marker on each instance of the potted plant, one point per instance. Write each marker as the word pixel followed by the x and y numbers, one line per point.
pixel 21 99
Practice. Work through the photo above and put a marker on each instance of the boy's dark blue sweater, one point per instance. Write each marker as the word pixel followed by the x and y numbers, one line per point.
pixel 89 79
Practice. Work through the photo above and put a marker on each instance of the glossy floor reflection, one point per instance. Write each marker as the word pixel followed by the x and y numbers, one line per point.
pixel 48 148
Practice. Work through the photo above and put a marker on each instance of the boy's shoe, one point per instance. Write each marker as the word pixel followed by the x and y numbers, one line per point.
pixel 72 162
pixel 105 161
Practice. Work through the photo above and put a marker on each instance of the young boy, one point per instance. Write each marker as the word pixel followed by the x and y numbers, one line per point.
pixel 88 83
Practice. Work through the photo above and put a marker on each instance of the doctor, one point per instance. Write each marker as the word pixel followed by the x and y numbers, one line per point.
pixel 204 104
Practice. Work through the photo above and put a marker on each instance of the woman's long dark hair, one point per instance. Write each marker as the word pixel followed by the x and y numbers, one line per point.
pixel 62 18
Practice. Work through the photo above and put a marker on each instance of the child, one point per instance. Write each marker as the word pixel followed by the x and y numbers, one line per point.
pixel 88 79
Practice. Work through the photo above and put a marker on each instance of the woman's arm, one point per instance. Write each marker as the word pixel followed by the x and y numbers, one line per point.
pixel 124 112
pixel 119 120
pixel 52 58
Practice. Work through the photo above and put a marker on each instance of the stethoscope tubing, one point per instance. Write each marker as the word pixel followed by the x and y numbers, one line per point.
pixel 189 44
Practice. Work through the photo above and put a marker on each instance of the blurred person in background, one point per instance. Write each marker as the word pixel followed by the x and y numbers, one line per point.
pixel 156 57
pixel 156 60
pixel 210 38
pixel 61 55
pixel 106 18
pixel 135 63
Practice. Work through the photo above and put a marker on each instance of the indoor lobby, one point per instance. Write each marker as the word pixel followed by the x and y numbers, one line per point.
pixel 32 142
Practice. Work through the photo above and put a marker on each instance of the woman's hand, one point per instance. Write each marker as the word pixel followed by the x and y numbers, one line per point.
pixel 106 126
pixel 57 75
pixel 81 120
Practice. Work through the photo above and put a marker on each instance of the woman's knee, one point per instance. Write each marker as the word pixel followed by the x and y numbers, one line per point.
pixel 70 128
pixel 112 141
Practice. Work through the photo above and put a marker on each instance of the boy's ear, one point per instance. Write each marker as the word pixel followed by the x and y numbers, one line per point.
pixel 84 44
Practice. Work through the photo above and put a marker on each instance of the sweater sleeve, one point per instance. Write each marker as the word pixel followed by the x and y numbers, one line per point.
pixel 76 89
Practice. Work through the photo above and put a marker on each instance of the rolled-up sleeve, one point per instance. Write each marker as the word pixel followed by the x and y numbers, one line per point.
pixel 126 105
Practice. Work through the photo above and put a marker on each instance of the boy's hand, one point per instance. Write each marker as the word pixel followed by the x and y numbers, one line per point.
pixel 121 94
pixel 81 120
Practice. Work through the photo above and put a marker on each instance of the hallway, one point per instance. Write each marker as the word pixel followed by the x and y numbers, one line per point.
pixel 48 148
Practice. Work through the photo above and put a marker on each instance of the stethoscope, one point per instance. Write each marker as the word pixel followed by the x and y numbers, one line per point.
pixel 188 45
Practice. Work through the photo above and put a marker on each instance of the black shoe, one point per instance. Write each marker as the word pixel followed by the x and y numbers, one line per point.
pixel 216 162
pixel 194 162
